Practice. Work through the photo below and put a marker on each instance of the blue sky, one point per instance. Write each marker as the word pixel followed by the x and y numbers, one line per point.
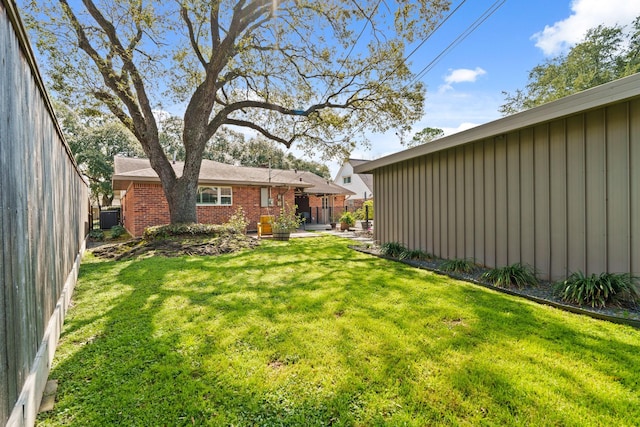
pixel 464 88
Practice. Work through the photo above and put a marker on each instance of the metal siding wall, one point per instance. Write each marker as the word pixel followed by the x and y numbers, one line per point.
pixel 618 226
pixel 596 199
pixel 541 198
pixel 479 203
pixel 490 203
pixel 469 203
pixel 576 195
pixel 634 184
pixel 513 199
pixel 562 196
pixel 527 194
pixel 437 225
pixel 558 199
pixel 460 203
pixel 429 207
pixel 501 202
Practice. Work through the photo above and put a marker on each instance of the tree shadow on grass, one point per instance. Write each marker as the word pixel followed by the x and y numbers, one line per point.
pixel 312 333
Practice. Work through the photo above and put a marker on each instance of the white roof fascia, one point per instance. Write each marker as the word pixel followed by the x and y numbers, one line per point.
pixel 589 99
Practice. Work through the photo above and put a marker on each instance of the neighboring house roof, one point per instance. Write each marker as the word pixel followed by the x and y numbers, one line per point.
pixel 127 170
pixel 596 97
pixel 366 179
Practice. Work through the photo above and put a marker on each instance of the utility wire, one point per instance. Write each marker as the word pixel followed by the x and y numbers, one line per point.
pixel 488 13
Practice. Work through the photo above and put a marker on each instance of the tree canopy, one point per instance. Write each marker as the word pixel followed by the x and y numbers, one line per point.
pixel 290 70
pixel 606 54
pixel 424 136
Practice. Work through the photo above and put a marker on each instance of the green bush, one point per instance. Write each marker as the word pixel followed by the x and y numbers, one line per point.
pixel 360 213
pixel 515 275
pixel 392 249
pixel 598 290
pixel 415 254
pixel 458 266
pixel 348 218
pixel 238 221
pixel 117 231
pixel 192 229
pixel 96 234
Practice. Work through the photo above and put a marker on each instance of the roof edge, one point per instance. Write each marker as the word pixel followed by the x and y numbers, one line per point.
pixel 596 97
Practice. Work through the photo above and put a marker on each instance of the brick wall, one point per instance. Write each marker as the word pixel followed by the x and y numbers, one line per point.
pixel 144 205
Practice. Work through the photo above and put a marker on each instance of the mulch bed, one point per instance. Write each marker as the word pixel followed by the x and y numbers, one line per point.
pixel 175 246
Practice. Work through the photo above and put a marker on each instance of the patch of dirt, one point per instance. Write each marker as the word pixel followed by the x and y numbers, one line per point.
pixel 175 246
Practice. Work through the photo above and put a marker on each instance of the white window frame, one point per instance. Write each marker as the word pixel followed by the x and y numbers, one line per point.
pixel 346 179
pixel 220 195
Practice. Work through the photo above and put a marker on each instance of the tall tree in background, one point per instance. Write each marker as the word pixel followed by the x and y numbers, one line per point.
pixel 94 141
pixel 286 69
pixel 606 54
pixel 425 135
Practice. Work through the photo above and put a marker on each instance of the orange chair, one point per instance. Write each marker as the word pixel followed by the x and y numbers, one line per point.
pixel 264 226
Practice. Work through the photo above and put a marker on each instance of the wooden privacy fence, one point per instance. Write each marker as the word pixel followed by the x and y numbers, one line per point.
pixel 43 223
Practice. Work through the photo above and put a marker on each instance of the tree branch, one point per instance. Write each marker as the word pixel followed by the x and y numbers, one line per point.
pixel 251 125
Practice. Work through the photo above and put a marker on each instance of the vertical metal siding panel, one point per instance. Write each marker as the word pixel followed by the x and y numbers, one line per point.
pixel 576 201
pixel 558 196
pixel 429 204
pixel 422 208
pixel 513 199
pixel 527 206
pixel 401 206
pixel 388 206
pixel 634 184
pixel 416 196
pixel 595 193
pixel 618 242
pixel 479 203
pixel 541 198
pixel 396 188
pixel 460 203
pixel 437 223
pixel 490 203
pixel 452 214
pixel 444 205
pixel 409 203
pixel 502 230
pixel 469 209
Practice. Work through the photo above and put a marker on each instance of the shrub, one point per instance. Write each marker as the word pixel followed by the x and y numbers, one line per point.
pixel 515 275
pixel 392 249
pixel 117 231
pixel 96 234
pixel 238 221
pixel 192 229
pixel 359 214
pixel 348 218
pixel 458 266
pixel 598 290
pixel 415 254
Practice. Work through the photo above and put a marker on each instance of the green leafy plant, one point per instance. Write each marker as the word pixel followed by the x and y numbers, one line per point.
pixel 96 234
pixel 598 290
pixel 117 231
pixel 415 254
pixel 238 221
pixel 287 219
pixel 361 212
pixel 193 229
pixel 348 218
pixel 516 275
pixel 458 265
pixel 392 249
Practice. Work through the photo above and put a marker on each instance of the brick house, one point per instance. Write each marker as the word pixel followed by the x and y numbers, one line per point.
pixel 222 189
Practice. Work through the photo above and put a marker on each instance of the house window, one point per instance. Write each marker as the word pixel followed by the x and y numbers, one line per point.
pixel 346 179
pixel 214 196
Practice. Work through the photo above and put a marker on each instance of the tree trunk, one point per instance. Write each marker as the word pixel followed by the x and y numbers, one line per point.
pixel 182 200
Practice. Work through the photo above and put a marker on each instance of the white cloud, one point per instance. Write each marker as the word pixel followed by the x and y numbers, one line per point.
pixel 461 75
pixel 586 14
pixel 462 127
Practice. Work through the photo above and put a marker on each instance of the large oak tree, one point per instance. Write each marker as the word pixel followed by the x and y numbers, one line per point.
pixel 312 73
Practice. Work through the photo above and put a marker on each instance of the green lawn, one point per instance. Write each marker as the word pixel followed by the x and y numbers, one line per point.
pixel 309 332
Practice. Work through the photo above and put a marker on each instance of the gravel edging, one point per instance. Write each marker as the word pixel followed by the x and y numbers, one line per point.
pixel 540 295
